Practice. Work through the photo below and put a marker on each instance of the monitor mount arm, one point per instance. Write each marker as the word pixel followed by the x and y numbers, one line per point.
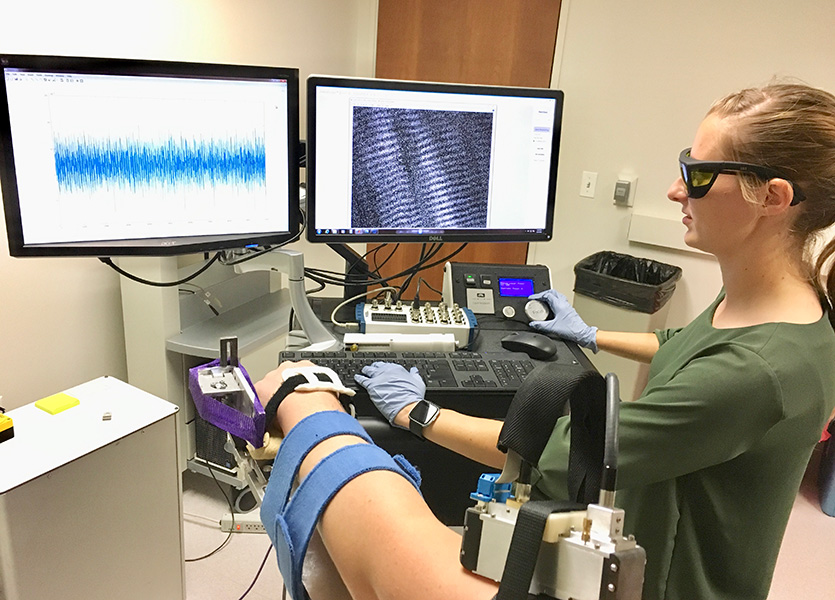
pixel 291 262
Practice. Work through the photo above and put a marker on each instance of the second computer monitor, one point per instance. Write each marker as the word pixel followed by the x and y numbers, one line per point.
pixel 426 162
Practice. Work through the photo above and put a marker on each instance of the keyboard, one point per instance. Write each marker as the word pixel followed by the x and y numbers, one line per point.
pixel 481 383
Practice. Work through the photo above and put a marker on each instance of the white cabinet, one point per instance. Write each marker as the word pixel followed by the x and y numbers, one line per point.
pixel 91 499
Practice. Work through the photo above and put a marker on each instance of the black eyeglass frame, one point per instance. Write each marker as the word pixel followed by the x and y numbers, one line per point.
pixel 688 163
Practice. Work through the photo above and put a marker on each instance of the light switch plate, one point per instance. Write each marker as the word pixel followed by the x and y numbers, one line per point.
pixel 588 184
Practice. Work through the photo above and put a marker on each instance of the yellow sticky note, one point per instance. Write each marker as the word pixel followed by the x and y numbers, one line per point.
pixel 56 403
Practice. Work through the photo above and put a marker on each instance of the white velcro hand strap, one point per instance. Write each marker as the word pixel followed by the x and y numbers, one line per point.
pixel 319 379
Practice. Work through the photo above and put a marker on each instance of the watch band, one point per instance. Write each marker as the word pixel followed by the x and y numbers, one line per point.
pixel 416 428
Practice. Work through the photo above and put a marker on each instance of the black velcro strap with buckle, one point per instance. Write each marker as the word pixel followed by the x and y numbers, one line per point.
pixel 281 393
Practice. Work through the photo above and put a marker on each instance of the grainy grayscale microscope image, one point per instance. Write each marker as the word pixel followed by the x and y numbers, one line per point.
pixel 420 168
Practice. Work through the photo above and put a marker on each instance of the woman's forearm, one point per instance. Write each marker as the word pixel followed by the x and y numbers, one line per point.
pixel 473 437
pixel 636 346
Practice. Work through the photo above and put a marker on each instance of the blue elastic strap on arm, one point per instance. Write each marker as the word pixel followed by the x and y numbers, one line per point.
pixel 306 435
pixel 290 524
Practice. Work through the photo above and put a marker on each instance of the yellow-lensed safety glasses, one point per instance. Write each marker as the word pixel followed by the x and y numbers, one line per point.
pixel 700 175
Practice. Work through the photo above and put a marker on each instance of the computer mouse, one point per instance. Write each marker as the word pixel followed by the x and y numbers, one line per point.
pixel 535 345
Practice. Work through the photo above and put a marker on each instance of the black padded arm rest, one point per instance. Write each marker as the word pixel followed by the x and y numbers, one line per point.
pixel 547 394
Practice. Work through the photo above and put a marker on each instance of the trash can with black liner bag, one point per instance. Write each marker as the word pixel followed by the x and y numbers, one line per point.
pixel 620 292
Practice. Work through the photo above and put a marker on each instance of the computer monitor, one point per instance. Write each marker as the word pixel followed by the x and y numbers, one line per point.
pixel 404 161
pixel 108 157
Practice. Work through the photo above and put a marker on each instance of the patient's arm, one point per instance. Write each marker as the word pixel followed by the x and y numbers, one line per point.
pixel 321 579
pixel 382 537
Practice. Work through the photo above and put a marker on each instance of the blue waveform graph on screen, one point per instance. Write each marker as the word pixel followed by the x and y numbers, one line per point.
pixel 161 166
pixel 84 165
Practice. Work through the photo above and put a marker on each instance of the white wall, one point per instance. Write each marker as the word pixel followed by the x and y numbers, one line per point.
pixel 61 319
pixel 638 78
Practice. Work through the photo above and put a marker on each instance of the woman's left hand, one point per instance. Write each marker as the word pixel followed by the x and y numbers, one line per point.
pixel 392 388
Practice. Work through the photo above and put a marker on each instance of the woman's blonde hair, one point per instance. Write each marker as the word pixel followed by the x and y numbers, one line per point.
pixel 790 127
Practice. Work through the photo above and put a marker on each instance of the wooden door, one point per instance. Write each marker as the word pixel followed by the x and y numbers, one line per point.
pixel 491 42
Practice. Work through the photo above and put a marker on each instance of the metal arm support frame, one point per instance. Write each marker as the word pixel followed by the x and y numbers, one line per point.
pixel 250 474
pixel 248 470
pixel 291 262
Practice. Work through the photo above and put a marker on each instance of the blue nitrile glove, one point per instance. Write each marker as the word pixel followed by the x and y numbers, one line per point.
pixel 566 323
pixel 391 387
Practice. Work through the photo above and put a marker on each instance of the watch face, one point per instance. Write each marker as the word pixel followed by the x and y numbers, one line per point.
pixel 423 412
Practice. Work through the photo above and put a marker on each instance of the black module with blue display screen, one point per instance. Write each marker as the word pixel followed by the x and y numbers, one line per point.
pixel 498 290
pixel 515 288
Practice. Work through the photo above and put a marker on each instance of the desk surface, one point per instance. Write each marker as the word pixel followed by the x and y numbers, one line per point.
pixel 489 333
pixel 489 340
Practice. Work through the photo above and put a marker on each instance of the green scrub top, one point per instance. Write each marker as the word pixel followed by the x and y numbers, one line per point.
pixel 713 452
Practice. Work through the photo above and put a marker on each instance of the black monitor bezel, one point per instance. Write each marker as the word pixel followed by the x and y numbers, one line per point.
pixel 166 246
pixel 456 235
